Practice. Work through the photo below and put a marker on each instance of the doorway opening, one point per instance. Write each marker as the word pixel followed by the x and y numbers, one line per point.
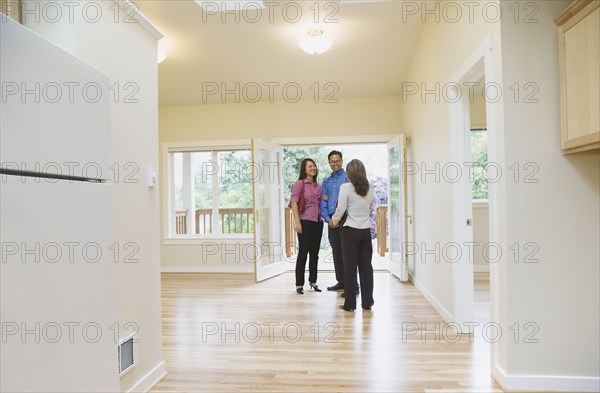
pixel 478 68
pixel 480 205
pixel 375 158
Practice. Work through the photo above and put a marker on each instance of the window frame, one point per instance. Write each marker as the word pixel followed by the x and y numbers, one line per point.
pixel 168 168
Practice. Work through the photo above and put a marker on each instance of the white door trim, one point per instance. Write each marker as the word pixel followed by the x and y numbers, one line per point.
pixel 479 63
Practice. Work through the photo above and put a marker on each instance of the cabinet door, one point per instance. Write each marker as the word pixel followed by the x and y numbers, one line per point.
pixel 580 80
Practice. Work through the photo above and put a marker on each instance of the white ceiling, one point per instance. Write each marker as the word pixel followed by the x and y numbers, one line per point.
pixel 371 52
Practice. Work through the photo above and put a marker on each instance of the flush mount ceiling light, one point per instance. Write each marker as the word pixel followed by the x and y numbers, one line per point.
pixel 315 43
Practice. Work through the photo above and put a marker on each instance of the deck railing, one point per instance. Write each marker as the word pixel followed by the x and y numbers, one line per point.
pixel 181 221
pixel 242 221
pixel 233 221
pixel 290 234
pixel 381 228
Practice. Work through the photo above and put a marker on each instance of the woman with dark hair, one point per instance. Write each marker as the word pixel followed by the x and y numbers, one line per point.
pixel 356 199
pixel 305 204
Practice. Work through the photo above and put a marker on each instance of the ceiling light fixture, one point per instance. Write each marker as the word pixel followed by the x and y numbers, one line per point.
pixel 315 44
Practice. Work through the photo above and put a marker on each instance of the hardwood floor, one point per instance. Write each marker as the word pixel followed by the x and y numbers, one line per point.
pixel 481 289
pixel 225 333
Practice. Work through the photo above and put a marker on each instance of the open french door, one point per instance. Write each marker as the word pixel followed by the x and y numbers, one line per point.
pixel 267 186
pixel 398 207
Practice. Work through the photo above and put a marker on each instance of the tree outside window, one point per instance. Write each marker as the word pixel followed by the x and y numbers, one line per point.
pixel 212 188
pixel 479 164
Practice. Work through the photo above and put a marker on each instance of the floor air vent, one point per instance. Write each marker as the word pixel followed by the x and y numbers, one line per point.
pixel 127 353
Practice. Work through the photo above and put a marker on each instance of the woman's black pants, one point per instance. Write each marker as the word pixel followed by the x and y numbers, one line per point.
pixel 358 251
pixel 309 242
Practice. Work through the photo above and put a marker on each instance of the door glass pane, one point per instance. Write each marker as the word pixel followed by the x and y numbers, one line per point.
pixel 479 164
pixel 268 187
pixel 394 202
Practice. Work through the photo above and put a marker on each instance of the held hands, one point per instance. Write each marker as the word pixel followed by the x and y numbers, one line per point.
pixel 330 224
pixel 298 226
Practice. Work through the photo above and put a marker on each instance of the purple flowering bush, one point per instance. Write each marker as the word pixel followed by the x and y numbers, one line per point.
pixel 380 186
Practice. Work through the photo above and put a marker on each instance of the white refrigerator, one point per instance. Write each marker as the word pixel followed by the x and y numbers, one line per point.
pixel 57 274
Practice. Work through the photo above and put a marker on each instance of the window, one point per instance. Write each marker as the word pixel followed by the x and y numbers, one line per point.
pixel 480 163
pixel 211 192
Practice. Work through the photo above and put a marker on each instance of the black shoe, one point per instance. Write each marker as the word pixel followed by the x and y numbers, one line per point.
pixel 336 287
pixel 346 309
pixel 300 290
pixel 315 287
pixel 357 293
pixel 368 308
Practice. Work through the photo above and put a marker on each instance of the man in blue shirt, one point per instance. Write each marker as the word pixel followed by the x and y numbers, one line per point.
pixel 329 200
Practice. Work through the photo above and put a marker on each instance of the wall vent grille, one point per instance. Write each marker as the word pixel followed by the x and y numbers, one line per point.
pixel 127 353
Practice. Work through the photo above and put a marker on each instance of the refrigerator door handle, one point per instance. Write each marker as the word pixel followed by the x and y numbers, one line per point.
pixel 22 173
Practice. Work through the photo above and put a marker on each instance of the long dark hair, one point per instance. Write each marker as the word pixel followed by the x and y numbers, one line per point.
pixel 303 169
pixel 357 174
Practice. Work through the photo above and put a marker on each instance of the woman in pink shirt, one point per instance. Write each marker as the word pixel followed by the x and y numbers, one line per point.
pixel 307 223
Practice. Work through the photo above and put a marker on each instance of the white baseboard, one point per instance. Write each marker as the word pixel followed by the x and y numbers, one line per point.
pixel 208 269
pixel 546 383
pixel 148 381
pixel 432 300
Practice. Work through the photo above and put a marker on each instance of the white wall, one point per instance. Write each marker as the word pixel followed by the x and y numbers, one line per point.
pixel 559 294
pixel 558 213
pixel 349 117
pixel 215 255
pixel 442 49
pixel 57 302
pixel 358 116
pixel 126 52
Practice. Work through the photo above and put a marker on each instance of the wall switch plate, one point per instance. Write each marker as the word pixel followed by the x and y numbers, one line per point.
pixel 151 176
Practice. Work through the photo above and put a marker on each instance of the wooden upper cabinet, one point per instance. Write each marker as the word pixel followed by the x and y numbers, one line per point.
pixel 579 68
